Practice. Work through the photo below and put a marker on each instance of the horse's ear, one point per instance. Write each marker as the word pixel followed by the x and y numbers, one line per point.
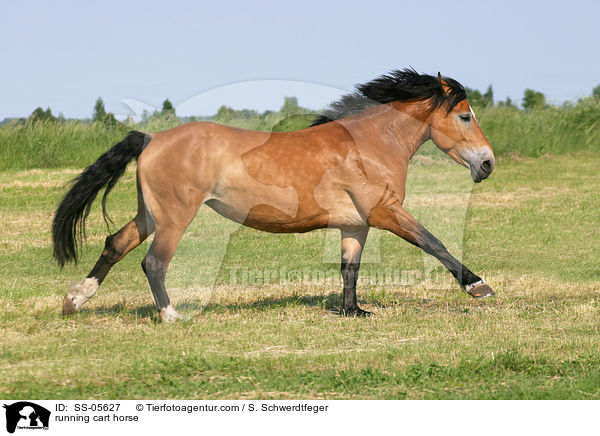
pixel 445 86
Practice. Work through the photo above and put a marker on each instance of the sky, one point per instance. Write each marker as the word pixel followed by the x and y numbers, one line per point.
pixel 200 55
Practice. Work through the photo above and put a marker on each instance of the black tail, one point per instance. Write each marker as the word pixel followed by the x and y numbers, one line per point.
pixel 69 221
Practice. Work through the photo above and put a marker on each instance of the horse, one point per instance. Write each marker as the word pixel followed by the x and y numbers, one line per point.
pixel 346 171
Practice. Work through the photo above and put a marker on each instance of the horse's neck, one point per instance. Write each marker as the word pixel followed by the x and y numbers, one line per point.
pixel 401 127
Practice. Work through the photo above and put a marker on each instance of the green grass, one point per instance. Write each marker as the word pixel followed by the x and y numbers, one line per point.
pixel 552 130
pixel 531 230
pixel 54 145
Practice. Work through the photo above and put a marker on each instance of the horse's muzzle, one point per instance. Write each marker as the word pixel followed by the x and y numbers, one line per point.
pixel 481 169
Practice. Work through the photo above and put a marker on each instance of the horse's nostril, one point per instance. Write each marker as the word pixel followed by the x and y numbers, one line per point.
pixel 486 165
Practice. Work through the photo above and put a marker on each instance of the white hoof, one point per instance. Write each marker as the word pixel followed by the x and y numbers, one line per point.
pixel 79 293
pixel 169 314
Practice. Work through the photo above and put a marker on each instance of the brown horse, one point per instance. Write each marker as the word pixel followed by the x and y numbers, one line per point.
pixel 347 171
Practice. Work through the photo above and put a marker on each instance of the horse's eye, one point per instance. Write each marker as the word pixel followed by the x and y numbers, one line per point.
pixel 465 117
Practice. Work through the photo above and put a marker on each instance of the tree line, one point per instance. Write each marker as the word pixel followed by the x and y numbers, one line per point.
pixel 99 114
pixel 532 99
pixel 290 110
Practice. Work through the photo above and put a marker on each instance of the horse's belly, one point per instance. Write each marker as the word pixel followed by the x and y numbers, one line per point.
pixel 288 213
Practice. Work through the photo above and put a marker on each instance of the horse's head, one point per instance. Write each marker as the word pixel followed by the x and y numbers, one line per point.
pixel 455 131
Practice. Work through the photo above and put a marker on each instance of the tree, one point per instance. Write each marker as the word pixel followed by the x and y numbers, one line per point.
pixel 224 115
pixel 477 99
pixel 507 103
pixel 110 119
pixel 101 116
pixel 488 97
pixel 167 108
pixel 533 99
pixel 247 114
pixel 99 111
pixel 40 114
pixel 37 115
pixel 596 92
pixel 290 106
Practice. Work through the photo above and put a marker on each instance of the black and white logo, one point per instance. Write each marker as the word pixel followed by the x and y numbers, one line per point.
pixel 26 415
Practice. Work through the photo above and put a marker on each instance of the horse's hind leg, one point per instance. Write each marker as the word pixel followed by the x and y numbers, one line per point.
pixel 155 266
pixel 115 248
pixel 353 242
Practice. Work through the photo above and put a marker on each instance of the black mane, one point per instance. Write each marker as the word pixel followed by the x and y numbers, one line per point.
pixel 399 85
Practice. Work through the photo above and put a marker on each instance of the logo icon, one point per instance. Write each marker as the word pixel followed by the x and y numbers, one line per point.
pixel 26 415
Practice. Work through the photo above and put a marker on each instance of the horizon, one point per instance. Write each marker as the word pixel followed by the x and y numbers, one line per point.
pixel 140 109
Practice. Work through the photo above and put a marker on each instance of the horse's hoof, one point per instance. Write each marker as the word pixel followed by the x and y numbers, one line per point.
pixel 169 314
pixel 72 303
pixel 479 290
pixel 68 306
pixel 79 293
pixel 356 311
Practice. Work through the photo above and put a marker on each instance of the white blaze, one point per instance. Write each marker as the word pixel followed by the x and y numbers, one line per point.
pixel 473 113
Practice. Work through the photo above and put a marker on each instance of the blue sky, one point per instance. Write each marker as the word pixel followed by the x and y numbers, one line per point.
pixel 65 54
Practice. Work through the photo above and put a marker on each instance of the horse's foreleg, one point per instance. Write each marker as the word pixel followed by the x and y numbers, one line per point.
pixel 353 242
pixel 397 220
pixel 115 248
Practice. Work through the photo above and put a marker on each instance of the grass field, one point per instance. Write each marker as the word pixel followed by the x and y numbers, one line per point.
pixel 261 329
